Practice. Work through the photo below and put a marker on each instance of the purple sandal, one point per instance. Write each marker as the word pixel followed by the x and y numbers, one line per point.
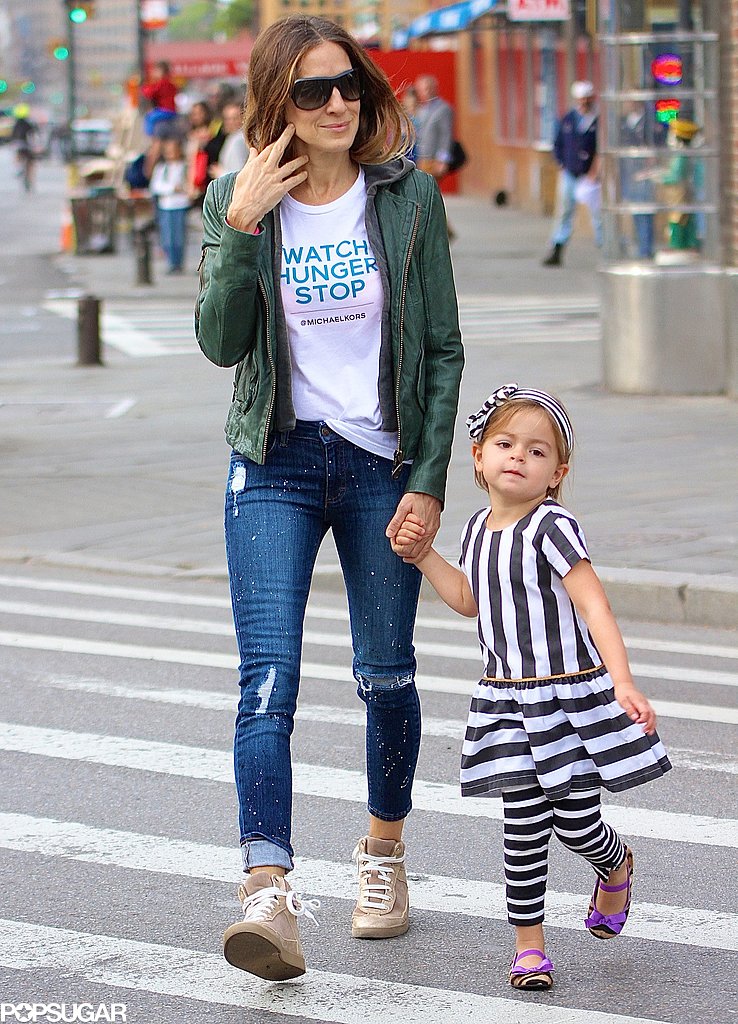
pixel 531 977
pixel 607 926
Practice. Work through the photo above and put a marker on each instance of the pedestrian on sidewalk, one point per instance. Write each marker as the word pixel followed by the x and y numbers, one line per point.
pixel 234 152
pixel 170 189
pixel 434 124
pixel 161 91
pixel 326 278
pixel 556 715
pixel 575 150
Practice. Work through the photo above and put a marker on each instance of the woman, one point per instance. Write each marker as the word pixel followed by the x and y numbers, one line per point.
pixel 326 278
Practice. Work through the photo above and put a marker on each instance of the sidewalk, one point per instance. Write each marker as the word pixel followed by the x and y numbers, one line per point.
pixel 654 479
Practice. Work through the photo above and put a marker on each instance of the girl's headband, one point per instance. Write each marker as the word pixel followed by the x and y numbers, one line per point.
pixel 478 420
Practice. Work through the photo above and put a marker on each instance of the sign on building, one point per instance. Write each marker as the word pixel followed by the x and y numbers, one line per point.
pixel 538 10
pixel 154 14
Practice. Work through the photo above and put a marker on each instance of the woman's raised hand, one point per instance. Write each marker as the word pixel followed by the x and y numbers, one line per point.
pixel 262 182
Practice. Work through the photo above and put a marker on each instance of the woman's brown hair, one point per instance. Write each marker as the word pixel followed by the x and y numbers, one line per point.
pixel 385 130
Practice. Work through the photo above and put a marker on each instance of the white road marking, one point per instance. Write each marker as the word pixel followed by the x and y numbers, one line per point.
pixel 319 995
pixel 443 728
pixel 432 649
pixel 443 894
pixel 120 408
pixel 456 624
pixel 329 782
pixel 308 670
pixel 117 406
pixel 115 330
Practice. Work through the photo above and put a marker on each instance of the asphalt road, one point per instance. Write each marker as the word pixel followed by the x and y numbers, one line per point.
pixel 118 842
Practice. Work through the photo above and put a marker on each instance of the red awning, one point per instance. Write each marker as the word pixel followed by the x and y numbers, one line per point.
pixel 203 59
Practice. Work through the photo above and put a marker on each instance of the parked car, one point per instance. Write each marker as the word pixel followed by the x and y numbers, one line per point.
pixel 6 125
pixel 92 136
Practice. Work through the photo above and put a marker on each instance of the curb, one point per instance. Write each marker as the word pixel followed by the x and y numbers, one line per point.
pixel 649 594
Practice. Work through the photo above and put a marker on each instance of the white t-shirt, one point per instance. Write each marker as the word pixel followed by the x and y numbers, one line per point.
pixel 333 297
pixel 169 184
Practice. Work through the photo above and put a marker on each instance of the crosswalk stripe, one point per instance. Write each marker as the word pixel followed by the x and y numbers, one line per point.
pixel 319 995
pixel 142 331
pixel 654 922
pixel 329 782
pixel 455 624
pixel 707 677
pixel 308 670
pixel 439 727
pixel 587 304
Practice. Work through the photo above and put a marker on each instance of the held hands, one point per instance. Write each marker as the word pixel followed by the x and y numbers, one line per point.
pixel 410 534
pixel 636 707
pixel 262 182
pixel 413 527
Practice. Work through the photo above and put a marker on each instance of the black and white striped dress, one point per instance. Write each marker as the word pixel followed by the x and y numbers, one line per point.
pixel 545 711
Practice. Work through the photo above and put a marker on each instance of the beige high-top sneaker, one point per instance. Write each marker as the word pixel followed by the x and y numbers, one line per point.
pixel 383 906
pixel 267 942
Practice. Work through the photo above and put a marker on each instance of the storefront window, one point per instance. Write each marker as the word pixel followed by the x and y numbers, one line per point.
pixel 545 99
pixel 476 68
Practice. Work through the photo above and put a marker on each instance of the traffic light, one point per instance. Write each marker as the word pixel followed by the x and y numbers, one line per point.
pixel 3 85
pixel 60 52
pixel 78 11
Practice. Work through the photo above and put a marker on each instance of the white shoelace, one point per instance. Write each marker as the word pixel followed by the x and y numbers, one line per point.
pixel 375 893
pixel 263 902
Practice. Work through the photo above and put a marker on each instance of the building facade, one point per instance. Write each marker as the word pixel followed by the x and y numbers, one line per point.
pixel 371 21
pixel 105 54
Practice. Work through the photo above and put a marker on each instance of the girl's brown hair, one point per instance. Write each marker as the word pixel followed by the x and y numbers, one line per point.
pixel 500 419
pixel 385 130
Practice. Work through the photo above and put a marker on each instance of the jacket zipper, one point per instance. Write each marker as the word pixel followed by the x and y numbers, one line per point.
pixel 273 369
pixel 399 454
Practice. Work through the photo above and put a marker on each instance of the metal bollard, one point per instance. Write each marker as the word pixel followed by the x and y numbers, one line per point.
pixel 88 331
pixel 142 249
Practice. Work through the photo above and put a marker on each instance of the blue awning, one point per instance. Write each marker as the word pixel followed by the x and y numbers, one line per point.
pixel 443 20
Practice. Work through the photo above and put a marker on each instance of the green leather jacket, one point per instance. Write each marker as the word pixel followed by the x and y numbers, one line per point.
pixel 239 319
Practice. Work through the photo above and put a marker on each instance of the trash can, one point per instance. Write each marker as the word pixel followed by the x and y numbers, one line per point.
pixel 95 217
pixel 664 330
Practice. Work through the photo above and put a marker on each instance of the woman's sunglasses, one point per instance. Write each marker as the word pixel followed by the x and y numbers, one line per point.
pixel 313 93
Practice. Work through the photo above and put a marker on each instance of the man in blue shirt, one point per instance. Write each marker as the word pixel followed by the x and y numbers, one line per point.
pixel 575 150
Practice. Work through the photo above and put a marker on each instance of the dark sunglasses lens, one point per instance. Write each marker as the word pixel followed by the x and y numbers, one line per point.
pixel 350 86
pixel 311 93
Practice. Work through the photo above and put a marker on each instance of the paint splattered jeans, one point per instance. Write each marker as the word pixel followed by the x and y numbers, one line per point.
pixel 276 516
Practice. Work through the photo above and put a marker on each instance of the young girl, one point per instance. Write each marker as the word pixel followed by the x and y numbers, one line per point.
pixel 169 185
pixel 556 715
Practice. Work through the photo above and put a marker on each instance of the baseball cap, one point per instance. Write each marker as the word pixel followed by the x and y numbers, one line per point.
pixel 581 90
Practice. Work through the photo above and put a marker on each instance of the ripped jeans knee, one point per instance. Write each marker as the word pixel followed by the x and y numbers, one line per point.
pixel 388 691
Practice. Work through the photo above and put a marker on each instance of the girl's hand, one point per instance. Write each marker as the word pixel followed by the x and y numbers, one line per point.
pixel 427 512
pixel 636 707
pixel 262 182
pixel 412 529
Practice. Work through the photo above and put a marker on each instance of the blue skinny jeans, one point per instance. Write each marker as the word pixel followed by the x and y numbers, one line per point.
pixel 276 516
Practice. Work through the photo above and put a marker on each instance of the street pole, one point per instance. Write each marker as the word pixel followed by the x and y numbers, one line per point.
pixel 140 50
pixel 71 86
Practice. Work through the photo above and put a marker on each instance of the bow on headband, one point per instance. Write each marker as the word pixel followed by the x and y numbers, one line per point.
pixel 478 420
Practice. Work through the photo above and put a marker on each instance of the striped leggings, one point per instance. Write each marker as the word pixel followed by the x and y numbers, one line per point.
pixel 529 819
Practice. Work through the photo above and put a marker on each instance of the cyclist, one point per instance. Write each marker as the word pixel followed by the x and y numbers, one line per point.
pixel 25 134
